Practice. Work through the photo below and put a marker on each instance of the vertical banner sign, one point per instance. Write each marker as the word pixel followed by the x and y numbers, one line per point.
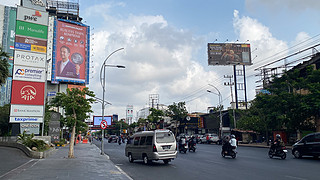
pixel 50 47
pixel 70 52
pixel 29 76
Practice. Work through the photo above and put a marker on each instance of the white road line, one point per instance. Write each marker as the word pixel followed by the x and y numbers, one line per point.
pixel 18 168
pixel 293 177
pixel 123 172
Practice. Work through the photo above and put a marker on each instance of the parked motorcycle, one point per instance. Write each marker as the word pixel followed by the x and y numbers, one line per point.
pixel 282 153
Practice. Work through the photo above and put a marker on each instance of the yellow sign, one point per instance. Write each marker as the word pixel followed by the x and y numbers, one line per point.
pixel 42 49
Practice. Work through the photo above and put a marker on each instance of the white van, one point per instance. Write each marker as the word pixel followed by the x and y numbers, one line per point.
pixel 152 145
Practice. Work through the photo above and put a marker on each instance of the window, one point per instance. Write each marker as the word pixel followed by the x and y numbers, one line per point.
pixel 317 138
pixel 136 141
pixel 143 140
pixel 149 140
pixel 309 138
pixel 164 137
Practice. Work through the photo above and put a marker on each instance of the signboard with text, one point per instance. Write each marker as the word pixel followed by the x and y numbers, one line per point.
pixel 71 46
pixel 26 110
pixel 31 30
pixel 25 73
pixel 29 59
pixel 32 15
pixel 26 120
pixel 97 120
pixel 30 128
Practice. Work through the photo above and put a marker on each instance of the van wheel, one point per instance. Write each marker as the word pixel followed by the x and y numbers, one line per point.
pixel 166 161
pixel 130 158
pixel 145 159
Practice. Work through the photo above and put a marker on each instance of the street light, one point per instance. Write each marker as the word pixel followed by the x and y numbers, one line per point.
pixel 220 100
pixel 103 84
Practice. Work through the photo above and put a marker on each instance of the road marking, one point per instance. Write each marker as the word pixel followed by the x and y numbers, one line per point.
pixel 215 162
pixel 19 169
pixel 123 172
pixel 292 177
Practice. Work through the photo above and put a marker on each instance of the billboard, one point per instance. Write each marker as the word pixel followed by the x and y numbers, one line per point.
pixel 25 92
pixel 49 47
pixel 32 16
pixel 11 32
pixel 25 73
pixel 30 128
pixel 70 52
pixel 229 54
pixel 29 59
pixel 97 120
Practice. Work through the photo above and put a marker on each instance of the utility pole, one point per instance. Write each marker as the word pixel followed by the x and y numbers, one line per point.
pixel 230 83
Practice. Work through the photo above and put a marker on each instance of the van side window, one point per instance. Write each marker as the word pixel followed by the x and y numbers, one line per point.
pixel 309 138
pixel 136 141
pixel 317 138
pixel 143 140
pixel 149 140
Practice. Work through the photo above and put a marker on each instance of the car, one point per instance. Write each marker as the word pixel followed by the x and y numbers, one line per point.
pixel 307 146
pixel 152 145
pixel 213 138
pixel 113 138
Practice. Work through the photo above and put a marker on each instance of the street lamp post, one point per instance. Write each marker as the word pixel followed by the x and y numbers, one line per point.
pixel 103 84
pixel 220 100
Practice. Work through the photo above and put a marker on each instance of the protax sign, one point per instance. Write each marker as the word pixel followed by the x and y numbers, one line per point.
pixel 29 59
pixel 25 92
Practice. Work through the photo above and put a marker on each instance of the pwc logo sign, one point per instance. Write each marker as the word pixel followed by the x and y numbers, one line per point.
pixel 32 16
pixel 30 93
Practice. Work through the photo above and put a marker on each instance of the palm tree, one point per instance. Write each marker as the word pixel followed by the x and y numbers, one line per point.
pixel 4 66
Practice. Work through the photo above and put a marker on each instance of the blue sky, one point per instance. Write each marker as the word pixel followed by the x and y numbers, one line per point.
pixel 165 45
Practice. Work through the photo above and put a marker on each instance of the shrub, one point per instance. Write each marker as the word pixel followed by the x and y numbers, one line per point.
pixel 26 139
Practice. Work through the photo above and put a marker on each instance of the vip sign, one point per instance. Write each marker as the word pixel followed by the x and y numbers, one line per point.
pixel 24 73
pixel 29 59
pixel 26 110
pixel 32 15
pixel 25 92
pixel 26 119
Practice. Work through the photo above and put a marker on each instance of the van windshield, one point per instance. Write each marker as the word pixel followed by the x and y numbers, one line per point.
pixel 164 137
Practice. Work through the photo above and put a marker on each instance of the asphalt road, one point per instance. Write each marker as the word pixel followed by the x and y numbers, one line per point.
pixel 11 158
pixel 207 163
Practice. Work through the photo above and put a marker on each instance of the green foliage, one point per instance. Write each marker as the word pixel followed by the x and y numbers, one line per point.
pixel 74 103
pixel 293 104
pixel 4 66
pixel 5 126
pixel 156 115
pixel 26 139
pixel 177 111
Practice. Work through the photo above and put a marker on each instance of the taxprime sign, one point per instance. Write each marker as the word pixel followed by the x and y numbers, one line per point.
pixel 26 119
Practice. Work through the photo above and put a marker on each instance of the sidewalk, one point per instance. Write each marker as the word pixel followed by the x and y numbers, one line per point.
pixel 259 145
pixel 87 164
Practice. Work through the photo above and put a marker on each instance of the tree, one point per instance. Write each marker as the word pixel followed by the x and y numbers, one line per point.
pixel 177 112
pixel 76 107
pixel 4 66
pixel 5 126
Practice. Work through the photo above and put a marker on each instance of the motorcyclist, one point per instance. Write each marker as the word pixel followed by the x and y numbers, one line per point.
pixel 278 143
pixel 182 142
pixel 233 142
pixel 191 142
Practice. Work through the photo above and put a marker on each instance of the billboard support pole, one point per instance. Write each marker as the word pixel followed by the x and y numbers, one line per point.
pixel 235 84
pixel 245 85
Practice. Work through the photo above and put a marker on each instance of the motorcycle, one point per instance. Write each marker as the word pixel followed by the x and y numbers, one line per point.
pixel 227 150
pixel 192 147
pixel 119 141
pixel 282 153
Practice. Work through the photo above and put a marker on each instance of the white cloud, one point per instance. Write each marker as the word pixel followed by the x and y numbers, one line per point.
pixel 158 59
pixel 292 5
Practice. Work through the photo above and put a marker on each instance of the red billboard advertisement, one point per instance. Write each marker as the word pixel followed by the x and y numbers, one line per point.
pixel 26 92
pixel 70 52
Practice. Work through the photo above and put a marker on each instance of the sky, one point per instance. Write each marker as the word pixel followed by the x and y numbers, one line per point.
pixel 165 46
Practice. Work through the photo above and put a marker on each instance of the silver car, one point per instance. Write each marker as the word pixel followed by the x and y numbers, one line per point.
pixel 152 145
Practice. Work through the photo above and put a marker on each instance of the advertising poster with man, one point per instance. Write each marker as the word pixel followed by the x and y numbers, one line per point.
pixel 70 52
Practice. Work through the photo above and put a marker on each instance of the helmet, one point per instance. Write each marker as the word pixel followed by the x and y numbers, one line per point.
pixel 233 136
pixel 278 136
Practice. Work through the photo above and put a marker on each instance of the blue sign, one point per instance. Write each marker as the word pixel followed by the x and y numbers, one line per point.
pixel 23 46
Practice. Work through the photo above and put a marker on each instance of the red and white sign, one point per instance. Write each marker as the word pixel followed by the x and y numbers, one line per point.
pixel 26 92
pixel 103 124
pixel 26 110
